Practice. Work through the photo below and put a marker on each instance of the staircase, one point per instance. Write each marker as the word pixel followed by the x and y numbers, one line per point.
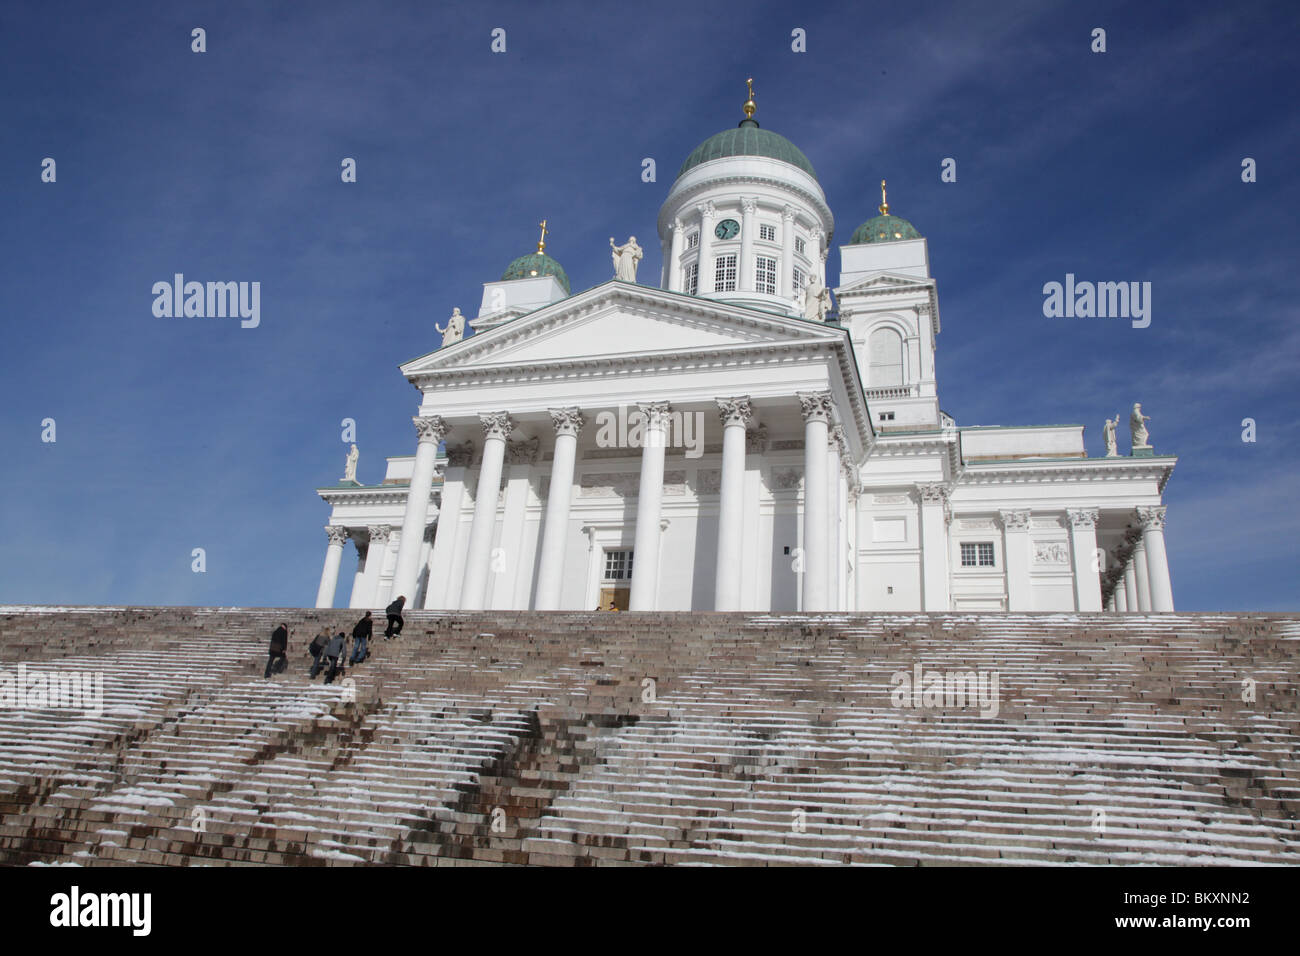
pixel 599 738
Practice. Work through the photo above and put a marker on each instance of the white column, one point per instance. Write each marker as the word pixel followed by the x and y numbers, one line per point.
pixel 1140 570
pixel 442 593
pixel 819 240
pixel 496 426
pixel 645 554
pixel 555 528
pixel 834 442
pixel 429 432
pixel 843 583
pixel 375 551
pixel 508 565
pixel 1120 597
pixel 934 546
pixel 756 582
pixel 1110 602
pixel 1015 547
pixel 1083 546
pixel 736 414
pixel 785 275
pixel 329 578
pixel 1153 538
pixel 357 598
pixel 384 586
pixel 675 258
pixel 745 275
pixel 1130 581
pixel 817 415
pixel 707 212
pixel 421 598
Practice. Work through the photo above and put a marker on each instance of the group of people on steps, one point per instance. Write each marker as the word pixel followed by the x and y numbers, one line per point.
pixel 330 652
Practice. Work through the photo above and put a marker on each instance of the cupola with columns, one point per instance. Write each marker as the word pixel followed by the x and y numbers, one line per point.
pixel 746 220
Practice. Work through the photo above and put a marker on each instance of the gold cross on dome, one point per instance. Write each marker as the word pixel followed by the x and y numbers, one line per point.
pixel 884 203
pixel 541 243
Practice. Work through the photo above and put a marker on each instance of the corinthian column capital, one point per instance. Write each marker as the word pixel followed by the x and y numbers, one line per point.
pixel 460 456
pixel 337 534
pixel 932 492
pixel 815 406
pixel 430 428
pixel 1015 520
pixel 656 414
pixel 496 424
pixel 567 421
pixel 735 411
pixel 1082 518
pixel 1152 518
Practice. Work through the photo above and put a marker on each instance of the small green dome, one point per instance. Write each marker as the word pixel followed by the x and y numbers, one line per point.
pixel 747 139
pixel 884 228
pixel 536 264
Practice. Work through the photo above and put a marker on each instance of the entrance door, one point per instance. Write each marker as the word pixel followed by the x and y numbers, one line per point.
pixel 616 583
pixel 619 596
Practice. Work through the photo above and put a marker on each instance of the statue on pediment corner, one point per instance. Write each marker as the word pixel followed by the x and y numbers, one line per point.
pixel 455 330
pixel 626 258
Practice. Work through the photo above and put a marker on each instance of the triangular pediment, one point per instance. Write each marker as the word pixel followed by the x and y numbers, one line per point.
pixel 621 320
pixel 886 282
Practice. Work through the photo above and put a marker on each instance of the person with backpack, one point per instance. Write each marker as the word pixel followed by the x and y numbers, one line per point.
pixel 334 651
pixel 316 649
pixel 278 658
pixel 394 612
pixel 361 634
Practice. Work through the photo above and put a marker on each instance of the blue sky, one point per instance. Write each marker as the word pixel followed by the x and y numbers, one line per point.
pixel 181 433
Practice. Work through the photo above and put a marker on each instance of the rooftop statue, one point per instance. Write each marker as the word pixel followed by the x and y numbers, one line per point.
pixel 455 330
pixel 816 299
pixel 625 259
pixel 1137 425
pixel 350 469
pixel 1108 431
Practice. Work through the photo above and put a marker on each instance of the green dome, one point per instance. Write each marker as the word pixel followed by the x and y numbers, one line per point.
pixel 747 139
pixel 536 264
pixel 884 229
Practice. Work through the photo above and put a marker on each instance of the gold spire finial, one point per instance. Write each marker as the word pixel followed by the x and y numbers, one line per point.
pixel 750 105
pixel 884 203
pixel 541 243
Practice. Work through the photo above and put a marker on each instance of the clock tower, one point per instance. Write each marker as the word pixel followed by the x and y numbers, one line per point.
pixel 746 220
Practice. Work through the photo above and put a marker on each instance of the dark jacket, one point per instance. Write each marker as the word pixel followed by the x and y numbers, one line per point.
pixel 365 628
pixel 280 639
pixel 319 641
pixel 396 606
pixel 335 647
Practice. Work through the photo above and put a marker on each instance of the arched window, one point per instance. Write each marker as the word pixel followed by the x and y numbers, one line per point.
pixel 885 358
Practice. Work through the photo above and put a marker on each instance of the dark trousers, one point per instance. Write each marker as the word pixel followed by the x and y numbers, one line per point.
pixel 333 671
pixel 275 663
pixel 394 627
pixel 359 651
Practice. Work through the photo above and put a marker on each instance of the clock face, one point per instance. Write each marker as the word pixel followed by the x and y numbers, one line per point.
pixel 727 229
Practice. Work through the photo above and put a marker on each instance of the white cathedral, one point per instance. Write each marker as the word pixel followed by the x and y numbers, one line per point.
pixel 722 442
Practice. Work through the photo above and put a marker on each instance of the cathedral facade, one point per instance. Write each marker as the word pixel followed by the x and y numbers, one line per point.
pixel 724 442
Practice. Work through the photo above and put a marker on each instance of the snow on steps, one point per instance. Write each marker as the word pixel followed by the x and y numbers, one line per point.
pixel 515 737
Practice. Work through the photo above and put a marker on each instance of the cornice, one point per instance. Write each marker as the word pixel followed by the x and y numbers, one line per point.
pixel 692 194
pixel 375 495
pixel 1083 469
